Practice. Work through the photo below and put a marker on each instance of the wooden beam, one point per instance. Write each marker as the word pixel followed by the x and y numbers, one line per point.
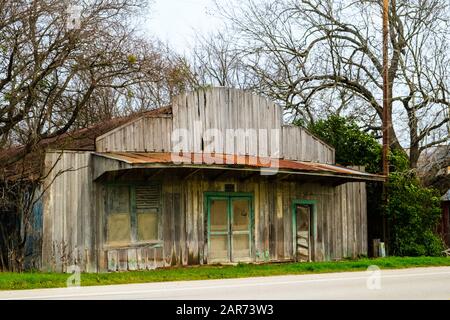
pixel 154 174
pixel 118 174
pixel 283 176
pixel 219 175
pixel 249 176
pixel 191 173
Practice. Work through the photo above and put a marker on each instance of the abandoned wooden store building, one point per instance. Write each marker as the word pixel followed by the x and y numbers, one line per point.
pixel 214 178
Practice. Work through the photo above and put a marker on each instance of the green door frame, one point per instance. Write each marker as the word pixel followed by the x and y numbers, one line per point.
pixel 229 196
pixel 313 204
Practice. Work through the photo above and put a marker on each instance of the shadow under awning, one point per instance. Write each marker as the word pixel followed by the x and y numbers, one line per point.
pixel 115 161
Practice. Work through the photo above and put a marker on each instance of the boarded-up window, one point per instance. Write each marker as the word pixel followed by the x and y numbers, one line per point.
pixel 119 228
pixel 127 222
pixel 118 221
pixel 147 225
pixel 148 196
pixel 147 205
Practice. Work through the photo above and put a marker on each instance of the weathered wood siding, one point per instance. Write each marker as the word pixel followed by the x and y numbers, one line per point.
pixel 68 219
pixel 341 229
pixel 185 234
pixel 145 134
pixel 214 120
pixel 299 144
pixel 74 219
pixel 221 120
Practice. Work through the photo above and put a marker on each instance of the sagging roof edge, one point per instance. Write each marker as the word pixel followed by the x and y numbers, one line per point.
pixel 351 175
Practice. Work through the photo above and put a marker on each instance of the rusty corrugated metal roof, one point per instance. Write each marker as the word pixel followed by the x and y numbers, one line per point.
pixel 234 161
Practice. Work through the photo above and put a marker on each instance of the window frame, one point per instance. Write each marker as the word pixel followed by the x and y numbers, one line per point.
pixel 133 242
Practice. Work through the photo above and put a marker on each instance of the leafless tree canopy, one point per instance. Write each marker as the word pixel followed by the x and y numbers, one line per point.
pixel 63 66
pixel 318 57
pixel 216 60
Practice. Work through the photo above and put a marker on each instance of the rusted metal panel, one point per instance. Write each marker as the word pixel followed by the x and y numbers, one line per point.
pixel 134 159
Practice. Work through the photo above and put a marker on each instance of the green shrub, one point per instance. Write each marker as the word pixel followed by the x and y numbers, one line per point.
pixel 413 214
pixel 353 146
pixel 413 211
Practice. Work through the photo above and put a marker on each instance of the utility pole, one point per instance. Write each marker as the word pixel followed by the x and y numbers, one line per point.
pixel 386 116
pixel 386 111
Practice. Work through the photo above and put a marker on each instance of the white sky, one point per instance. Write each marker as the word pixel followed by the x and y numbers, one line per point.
pixel 174 21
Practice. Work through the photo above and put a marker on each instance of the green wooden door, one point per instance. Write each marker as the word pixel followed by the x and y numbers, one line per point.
pixel 229 228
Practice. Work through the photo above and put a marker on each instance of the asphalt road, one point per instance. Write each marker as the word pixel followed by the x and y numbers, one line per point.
pixel 417 283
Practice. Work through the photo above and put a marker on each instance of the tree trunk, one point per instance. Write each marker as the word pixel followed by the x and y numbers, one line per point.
pixel 414 153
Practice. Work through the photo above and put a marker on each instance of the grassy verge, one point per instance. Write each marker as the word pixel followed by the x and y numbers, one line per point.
pixel 32 280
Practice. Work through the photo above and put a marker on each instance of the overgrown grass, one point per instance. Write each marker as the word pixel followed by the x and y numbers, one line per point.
pixel 32 280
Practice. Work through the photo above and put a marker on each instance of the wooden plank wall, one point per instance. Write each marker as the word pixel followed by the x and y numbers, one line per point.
pixel 218 120
pixel 146 134
pixel 68 220
pixel 299 144
pixel 73 226
pixel 341 229
pixel 208 115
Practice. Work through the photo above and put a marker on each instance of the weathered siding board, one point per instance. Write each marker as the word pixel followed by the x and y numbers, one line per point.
pixel 189 223
pixel 340 221
pixel 206 116
pixel 357 221
pixel 364 240
pixel 222 109
pixel 122 259
pixel 113 259
pixel 273 228
pixel 258 230
pixel 178 241
pixel 299 144
pixel 67 208
pixel 146 134
pixel 264 207
pixel 279 223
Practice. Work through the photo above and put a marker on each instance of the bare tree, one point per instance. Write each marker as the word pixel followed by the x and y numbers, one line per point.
pixel 163 74
pixel 21 190
pixel 65 67
pixel 216 61
pixel 322 56
pixel 52 61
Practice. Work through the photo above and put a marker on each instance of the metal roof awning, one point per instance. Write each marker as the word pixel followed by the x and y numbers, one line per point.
pixel 234 162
